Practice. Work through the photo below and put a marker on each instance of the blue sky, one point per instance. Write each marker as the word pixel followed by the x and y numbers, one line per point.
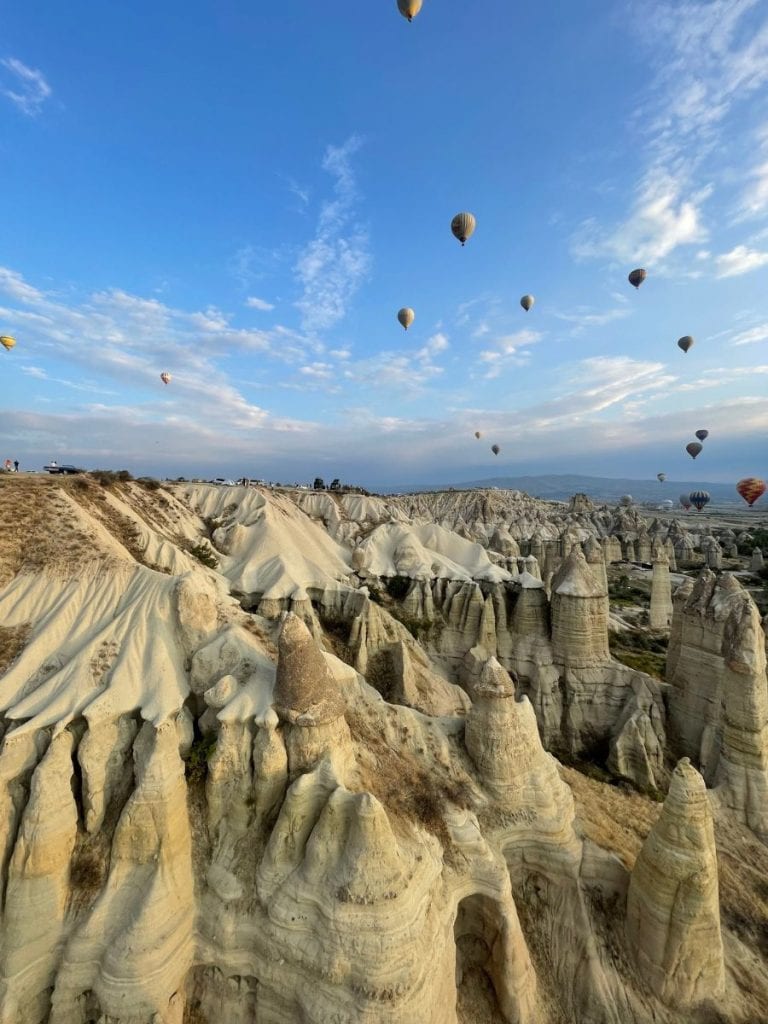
pixel 245 199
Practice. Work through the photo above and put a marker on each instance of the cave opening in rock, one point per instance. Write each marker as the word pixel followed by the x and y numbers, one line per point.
pixel 477 932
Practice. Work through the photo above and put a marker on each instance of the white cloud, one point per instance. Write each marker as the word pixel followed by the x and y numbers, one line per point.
pixel 340 353
pixel 751 336
pixel 583 318
pixel 754 200
pixel 508 350
pixel 664 216
pixel 436 344
pixel 28 90
pixel 252 302
pixel 740 260
pixel 319 371
pixel 334 264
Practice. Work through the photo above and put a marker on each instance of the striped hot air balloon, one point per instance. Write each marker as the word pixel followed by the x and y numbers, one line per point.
pixel 699 499
pixel 751 488
pixel 463 226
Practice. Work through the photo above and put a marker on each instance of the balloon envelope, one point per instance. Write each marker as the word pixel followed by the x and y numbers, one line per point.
pixel 683 499
pixel 495 449
pixel 463 226
pixel 7 342
pixel 478 435
pixel 751 488
pixel 702 434
pixel 694 448
pixel 409 8
pixel 406 316
pixel 699 499
pixel 685 343
pixel 626 500
pixel 661 477
pixel 527 302
pixel 165 377
pixel 636 277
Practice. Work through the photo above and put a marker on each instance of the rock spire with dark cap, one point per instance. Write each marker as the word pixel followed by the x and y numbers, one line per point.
pixel 306 692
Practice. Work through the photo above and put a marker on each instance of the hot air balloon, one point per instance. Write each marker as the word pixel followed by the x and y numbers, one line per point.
pixel 694 448
pixel 495 449
pixel 626 500
pixel 751 488
pixel 409 8
pixel 698 499
pixel 406 316
pixel 702 434
pixel 478 435
pixel 527 302
pixel 661 477
pixel 7 343
pixel 636 277
pixel 685 343
pixel 165 377
pixel 463 226
pixel 683 499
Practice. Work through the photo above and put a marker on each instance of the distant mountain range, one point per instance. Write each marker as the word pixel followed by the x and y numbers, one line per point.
pixel 561 487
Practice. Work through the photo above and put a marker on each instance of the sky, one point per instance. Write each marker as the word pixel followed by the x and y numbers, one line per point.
pixel 243 195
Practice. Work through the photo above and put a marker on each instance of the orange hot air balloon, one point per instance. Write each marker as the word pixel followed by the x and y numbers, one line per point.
pixel 751 488
pixel 165 377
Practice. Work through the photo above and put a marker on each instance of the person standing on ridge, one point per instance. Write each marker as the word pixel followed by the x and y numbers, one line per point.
pixel 15 465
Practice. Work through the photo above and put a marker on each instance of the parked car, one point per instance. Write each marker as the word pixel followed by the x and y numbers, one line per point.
pixel 53 468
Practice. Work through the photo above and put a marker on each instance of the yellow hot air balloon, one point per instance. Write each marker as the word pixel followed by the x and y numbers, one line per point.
pixel 463 226
pixel 7 342
pixel 406 316
pixel 409 8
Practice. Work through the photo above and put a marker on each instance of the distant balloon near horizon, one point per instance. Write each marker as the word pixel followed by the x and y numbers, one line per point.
pixel 702 434
pixel 636 277
pixel 751 489
pixel 686 343
pixel 165 377
pixel 694 448
pixel 495 449
pixel 478 435
pixel 661 477
pixel 406 316
pixel 699 499
pixel 527 302
pixel 409 8
pixel 683 499
pixel 463 226
pixel 7 342
pixel 626 500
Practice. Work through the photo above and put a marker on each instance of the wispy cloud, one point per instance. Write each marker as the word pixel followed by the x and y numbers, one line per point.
pixel 751 336
pixel 740 260
pixel 28 88
pixel 334 264
pixel 436 344
pixel 507 351
pixel 722 375
pixel 252 302
pixel 583 318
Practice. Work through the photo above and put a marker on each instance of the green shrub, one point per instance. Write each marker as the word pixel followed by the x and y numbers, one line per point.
pixel 149 483
pixel 398 587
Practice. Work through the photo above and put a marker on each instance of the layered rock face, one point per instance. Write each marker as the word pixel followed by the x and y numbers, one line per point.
pixel 579 614
pixel 673 915
pixel 661 591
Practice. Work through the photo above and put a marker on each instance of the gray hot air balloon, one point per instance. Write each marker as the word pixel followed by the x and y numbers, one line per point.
pixel 478 435
pixel 626 500
pixel 685 503
pixel 694 448
pixel 527 302
pixel 406 316
pixel 661 477
pixel 463 226
pixel 495 449
pixel 702 434
pixel 409 8
pixel 636 277
pixel 686 343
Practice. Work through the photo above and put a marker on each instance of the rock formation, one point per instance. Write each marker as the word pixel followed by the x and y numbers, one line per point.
pixel 661 591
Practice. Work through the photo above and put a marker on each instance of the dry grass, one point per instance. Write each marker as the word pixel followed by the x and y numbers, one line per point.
pixel 614 817
pixel 13 639
pixel 403 782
